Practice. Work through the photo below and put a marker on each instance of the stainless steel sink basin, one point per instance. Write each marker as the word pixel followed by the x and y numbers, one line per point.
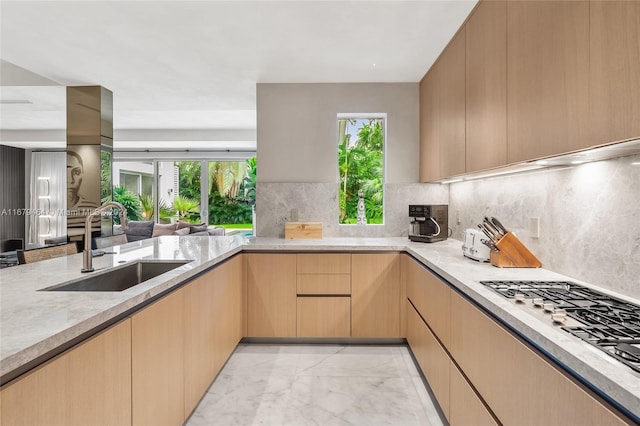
pixel 119 278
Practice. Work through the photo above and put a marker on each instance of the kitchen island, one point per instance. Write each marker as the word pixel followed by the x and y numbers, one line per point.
pixel 36 325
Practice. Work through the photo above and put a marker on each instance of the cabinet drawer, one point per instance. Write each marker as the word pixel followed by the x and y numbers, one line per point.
pixel 329 284
pixel 324 263
pixel 324 317
pixel 432 358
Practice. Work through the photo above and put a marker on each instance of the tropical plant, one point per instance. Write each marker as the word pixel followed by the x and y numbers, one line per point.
pixel 250 180
pixel 225 178
pixel 129 201
pixel 106 177
pixel 148 209
pixel 361 167
pixel 222 210
pixel 188 209
pixel 189 178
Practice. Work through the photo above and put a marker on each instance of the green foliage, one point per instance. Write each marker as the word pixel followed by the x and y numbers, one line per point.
pixel 106 176
pixel 250 180
pixel 130 201
pixel 147 207
pixel 226 177
pixel 189 180
pixel 223 210
pixel 361 167
pixel 188 209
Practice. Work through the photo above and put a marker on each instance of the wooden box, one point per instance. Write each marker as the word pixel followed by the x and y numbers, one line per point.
pixel 295 230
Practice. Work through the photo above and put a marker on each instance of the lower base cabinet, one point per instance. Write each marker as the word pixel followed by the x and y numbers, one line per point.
pixel 89 384
pixel 157 359
pixel 213 326
pixel 431 357
pixel 517 383
pixel 324 316
pixel 465 407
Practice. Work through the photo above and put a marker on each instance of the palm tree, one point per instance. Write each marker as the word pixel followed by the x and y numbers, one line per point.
pixel 185 207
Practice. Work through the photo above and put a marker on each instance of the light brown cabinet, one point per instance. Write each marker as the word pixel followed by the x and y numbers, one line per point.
pixel 89 384
pixel 465 406
pixel 431 357
pixel 548 78
pixel 324 295
pixel 375 295
pixel 451 103
pixel 486 86
pixel 214 323
pixel 516 382
pixel 271 295
pixel 324 316
pixel 430 297
pixel 442 93
pixel 429 144
pixel 614 72
pixel 157 360
pixel 492 376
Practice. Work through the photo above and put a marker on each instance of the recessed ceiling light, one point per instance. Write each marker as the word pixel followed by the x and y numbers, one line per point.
pixel 636 163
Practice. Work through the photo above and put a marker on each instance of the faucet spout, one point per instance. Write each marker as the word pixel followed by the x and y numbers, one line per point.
pixel 87 257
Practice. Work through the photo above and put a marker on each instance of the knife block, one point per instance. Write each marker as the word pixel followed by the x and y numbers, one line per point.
pixel 513 254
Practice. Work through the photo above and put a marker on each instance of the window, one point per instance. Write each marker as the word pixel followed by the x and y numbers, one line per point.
pixel 361 169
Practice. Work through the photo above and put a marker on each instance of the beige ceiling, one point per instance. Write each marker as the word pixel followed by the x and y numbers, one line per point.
pixel 193 65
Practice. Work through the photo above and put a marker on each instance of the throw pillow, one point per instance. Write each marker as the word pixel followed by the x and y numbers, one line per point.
pixel 198 228
pixel 163 229
pixel 139 230
pixel 182 225
pixel 183 231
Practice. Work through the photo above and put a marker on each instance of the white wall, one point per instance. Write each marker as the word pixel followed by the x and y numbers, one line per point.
pixel 298 131
pixel 297 149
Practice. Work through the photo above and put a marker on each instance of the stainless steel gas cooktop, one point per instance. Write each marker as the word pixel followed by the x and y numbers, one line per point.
pixel 610 324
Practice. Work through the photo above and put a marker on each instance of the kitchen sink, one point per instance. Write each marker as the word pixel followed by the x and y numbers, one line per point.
pixel 119 278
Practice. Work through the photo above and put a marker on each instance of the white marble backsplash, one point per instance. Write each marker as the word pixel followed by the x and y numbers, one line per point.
pixel 318 202
pixel 589 218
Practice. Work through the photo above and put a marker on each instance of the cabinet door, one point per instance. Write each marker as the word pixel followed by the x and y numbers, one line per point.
pixel 486 86
pixel 271 295
pixel 213 326
pixel 157 362
pixel 87 385
pixel 465 406
pixel 431 298
pixel 614 70
pixel 375 295
pixel 324 316
pixel 451 103
pixel 517 383
pixel 429 144
pixel 431 357
pixel 547 82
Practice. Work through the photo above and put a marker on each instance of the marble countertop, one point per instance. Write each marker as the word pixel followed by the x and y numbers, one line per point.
pixel 34 323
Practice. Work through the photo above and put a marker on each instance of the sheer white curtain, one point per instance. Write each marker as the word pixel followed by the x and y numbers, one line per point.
pixel 48 199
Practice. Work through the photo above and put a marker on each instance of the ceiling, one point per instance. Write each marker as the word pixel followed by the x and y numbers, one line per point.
pixel 191 67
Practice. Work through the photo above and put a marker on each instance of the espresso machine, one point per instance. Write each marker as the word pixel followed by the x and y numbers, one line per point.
pixel 429 223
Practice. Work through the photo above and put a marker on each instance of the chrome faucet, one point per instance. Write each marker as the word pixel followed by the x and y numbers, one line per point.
pixel 87 255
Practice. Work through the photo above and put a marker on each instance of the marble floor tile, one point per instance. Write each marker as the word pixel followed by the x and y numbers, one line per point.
pixel 317 385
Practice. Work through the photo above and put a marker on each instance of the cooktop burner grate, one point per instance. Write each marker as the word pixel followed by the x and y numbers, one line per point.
pixel 610 324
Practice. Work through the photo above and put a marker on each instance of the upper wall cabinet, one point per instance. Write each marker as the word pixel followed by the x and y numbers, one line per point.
pixel 486 86
pixel 451 102
pixel 614 80
pixel 548 78
pixel 429 145
pixel 442 114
